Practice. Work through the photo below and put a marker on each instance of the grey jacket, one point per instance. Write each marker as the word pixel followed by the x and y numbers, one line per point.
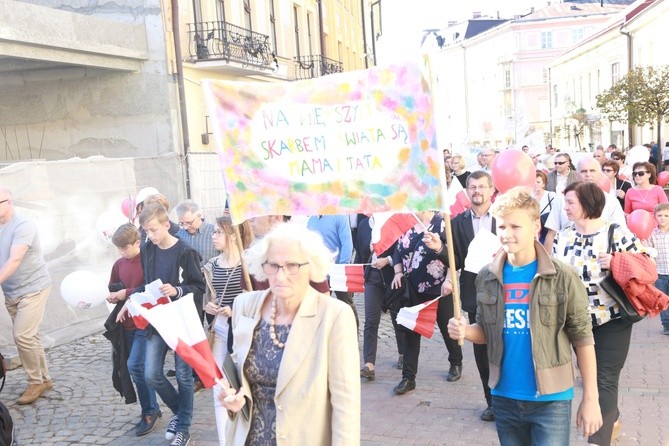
pixel 559 318
pixel 552 180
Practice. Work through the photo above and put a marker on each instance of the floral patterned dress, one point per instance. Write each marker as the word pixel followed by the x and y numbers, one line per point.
pixel 421 266
pixel 262 370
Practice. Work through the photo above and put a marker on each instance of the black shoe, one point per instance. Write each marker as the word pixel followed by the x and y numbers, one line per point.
pixel 487 414
pixel 197 386
pixel 147 423
pixel 171 373
pixel 365 372
pixel 454 373
pixel 400 362
pixel 404 386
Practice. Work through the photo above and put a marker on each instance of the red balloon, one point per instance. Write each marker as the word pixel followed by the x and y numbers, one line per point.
pixel 663 178
pixel 641 223
pixel 513 168
pixel 128 207
pixel 604 184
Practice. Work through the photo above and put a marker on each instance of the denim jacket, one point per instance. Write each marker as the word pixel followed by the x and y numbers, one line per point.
pixel 559 318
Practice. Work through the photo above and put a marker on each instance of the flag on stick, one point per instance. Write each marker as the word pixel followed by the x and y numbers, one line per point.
pixel 149 298
pixel 457 200
pixel 181 329
pixel 420 318
pixel 388 227
pixel 350 278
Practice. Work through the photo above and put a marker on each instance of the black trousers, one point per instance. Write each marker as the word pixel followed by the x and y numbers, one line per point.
pixel 412 339
pixel 375 291
pixel 482 364
pixel 612 343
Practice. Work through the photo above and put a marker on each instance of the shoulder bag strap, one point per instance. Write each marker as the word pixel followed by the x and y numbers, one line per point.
pixel 612 228
pixel 220 299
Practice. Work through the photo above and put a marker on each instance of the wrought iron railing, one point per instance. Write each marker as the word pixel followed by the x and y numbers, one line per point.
pixel 308 67
pixel 225 41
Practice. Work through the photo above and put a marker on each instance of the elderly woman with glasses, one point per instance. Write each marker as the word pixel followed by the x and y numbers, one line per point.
pixel 295 349
pixel 618 186
pixel 645 194
pixel 223 275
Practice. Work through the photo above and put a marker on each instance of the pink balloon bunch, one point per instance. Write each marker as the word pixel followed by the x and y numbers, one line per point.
pixel 641 223
pixel 513 168
pixel 128 207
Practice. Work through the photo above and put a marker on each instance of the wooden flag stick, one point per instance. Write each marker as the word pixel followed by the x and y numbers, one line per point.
pixel 240 248
pixel 457 308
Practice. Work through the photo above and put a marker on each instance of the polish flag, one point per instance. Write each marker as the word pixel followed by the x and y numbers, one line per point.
pixel 420 318
pixel 347 278
pixel 147 299
pixel 180 327
pixel 388 227
pixel 456 198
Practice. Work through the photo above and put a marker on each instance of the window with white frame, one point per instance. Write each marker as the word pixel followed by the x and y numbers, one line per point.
pixel 615 73
pixel 546 39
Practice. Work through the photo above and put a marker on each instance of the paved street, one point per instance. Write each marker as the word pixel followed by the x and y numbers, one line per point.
pixel 84 409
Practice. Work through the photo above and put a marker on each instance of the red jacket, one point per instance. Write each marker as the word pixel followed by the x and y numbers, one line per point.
pixel 636 274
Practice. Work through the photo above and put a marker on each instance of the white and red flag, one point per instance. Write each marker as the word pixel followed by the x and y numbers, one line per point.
pixel 350 278
pixel 180 327
pixel 388 227
pixel 457 200
pixel 149 298
pixel 420 318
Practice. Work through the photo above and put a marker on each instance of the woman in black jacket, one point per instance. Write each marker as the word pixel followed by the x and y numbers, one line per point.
pixel 378 275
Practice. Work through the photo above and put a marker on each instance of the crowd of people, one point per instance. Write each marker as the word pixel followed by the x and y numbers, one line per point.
pixel 261 289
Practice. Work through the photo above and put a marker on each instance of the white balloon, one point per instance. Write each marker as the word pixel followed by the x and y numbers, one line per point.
pixel 637 154
pixel 142 194
pixel 83 289
pixel 107 223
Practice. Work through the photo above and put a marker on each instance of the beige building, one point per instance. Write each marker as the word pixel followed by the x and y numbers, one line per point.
pixel 262 41
pixel 633 38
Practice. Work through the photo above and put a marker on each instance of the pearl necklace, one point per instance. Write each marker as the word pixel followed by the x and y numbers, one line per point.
pixel 272 330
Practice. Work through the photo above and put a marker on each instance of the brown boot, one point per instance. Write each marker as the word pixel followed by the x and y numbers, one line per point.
pixel 48 384
pixel 32 393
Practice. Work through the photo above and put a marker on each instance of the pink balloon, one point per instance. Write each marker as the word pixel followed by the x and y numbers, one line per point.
pixel 513 168
pixel 663 178
pixel 604 184
pixel 128 207
pixel 641 223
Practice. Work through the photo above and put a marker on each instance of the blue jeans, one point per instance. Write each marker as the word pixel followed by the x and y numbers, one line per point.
pixel 525 423
pixel 145 393
pixel 180 402
pixel 662 284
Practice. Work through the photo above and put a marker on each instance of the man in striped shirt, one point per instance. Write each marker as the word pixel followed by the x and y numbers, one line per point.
pixel 194 230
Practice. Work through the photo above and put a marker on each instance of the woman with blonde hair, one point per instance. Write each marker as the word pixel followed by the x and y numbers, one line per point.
pixel 295 349
pixel 224 277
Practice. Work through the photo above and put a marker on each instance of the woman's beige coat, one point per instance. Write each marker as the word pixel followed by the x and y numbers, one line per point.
pixel 318 388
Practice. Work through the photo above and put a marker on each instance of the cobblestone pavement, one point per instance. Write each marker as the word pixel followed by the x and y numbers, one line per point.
pixel 84 409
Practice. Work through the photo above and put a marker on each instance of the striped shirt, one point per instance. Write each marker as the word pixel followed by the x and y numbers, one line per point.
pixel 660 241
pixel 220 277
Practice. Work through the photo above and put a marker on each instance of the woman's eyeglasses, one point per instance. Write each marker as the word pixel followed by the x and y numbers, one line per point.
pixel 288 268
pixel 218 232
pixel 639 173
pixel 559 163
pixel 607 170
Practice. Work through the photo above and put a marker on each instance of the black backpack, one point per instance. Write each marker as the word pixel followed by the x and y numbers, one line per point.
pixel 6 427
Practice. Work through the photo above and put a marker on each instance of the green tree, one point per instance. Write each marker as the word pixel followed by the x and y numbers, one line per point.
pixel 641 97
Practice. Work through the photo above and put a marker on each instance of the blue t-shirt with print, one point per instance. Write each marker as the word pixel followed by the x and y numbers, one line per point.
pixel 517 379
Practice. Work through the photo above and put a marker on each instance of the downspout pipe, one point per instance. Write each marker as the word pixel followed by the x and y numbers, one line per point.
pixel 364 32
pixel 630 67
pixel 320 30
pixel 182 93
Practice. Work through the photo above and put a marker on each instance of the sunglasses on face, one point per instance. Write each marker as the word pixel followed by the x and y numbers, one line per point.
pixel 559 163
pixel 616 159
pixel 639 173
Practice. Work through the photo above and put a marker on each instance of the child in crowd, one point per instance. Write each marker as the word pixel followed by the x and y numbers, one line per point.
pixel 659 239
pixel 126 275
pixel 177 265
pixel 531 310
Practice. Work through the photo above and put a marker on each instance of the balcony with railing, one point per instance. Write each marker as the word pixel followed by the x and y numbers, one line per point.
pixel 211 41
pixel 309 67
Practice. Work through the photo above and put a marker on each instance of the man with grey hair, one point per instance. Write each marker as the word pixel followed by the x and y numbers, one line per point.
pixel 194 230
pixel 488 156
pixel 26 283
pixel 588 169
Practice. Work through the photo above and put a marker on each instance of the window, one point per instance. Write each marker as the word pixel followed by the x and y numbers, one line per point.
pixel 546 39
pixel 272 25
pixel 297 31
pixel 309 36
pixel 615 73
pixel 555 96
pixel 576 34
pixel 507 78
pixel 220 10
pixel 247 15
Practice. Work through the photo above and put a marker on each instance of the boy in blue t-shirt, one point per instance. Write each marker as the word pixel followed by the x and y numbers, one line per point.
pixel 531 310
